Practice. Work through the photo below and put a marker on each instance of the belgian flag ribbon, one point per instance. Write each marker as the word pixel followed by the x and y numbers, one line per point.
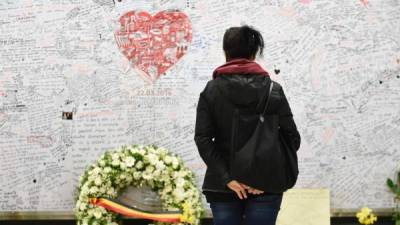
pixel 128 211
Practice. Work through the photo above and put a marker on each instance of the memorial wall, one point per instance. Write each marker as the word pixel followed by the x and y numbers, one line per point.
pixel 77 79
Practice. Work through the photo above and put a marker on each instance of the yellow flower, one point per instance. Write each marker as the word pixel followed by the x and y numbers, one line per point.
pixel 365 216
pixel 187 214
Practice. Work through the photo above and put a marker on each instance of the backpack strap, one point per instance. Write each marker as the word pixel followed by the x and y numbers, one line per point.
pixel 266 104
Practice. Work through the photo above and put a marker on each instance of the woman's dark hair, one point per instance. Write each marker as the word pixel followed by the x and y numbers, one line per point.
pixel 242 42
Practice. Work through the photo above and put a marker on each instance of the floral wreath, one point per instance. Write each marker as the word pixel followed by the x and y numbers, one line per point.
pixel 137 166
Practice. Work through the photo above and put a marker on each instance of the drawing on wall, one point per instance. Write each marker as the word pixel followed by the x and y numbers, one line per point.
pixel 153 44
pixel 67 115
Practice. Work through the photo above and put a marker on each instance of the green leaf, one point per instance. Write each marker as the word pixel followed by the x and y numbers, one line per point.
pixel 390 184
pixel 398 178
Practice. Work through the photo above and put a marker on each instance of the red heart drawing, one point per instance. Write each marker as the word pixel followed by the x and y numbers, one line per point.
pixel 154 43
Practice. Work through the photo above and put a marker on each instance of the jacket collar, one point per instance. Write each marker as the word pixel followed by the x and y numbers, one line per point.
pixel 240 66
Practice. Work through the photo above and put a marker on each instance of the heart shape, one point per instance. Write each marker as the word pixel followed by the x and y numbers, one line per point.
pixel 154 43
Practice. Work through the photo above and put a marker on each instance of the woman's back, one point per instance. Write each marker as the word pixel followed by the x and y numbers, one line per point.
pixel 239 91
pixel 239 86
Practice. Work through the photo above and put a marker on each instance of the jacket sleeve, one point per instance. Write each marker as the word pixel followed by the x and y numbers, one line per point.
pixel 287 124
pixel 204 136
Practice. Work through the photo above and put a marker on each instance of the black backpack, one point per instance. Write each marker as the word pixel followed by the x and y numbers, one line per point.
pixel 262 160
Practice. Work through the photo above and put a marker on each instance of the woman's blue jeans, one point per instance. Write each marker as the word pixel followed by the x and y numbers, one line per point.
pixel 261 210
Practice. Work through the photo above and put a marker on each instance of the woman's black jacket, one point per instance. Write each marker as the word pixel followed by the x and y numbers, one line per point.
pixel 214 121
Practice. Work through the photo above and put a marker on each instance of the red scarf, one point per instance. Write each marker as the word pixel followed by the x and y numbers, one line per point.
pixel 240 66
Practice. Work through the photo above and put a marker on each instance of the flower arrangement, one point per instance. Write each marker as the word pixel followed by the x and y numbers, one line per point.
pixel 138 166
pixel 394 187
pixel 365 216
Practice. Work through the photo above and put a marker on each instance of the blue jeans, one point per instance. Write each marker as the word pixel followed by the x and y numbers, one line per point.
pixel 261 210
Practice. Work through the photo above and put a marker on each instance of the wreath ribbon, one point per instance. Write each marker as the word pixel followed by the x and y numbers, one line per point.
pixel 117 207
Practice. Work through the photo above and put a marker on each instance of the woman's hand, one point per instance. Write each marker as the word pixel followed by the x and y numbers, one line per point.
pixel 251 190
pixel 238 188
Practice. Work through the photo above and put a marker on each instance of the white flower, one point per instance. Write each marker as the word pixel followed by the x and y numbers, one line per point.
pixel 93 190
pixel 115 156
pixel 122 165
pixel 85 190
pixel 181 173
pixel 102 189
pixel 150 150
pixel 130 161
pixel 103 211
pixel 140 150
pixel 98 181
pixel 91 177
pixel 115 162
pixel 82 206
pixel 156 173
pixel 165 177
pixel 90 212
pixel 102 162
pixel 147 175
pixel 97 213
pixel 129 178
pixel 133 150
pixel 152 158
pixel 168 188
pixel 111 191
pixel 160 165
pixel 162 151
pixel 139 165
pixel 192 193
pixel 180 182
pixel 96 170
pixel 149 169
pixel 179 193
pixel 85 222
pixel 136 175
pixel 107 169
pixel 175 162
pixel 168 160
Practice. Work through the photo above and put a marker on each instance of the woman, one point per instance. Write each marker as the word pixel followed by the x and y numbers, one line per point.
pixel 240 83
